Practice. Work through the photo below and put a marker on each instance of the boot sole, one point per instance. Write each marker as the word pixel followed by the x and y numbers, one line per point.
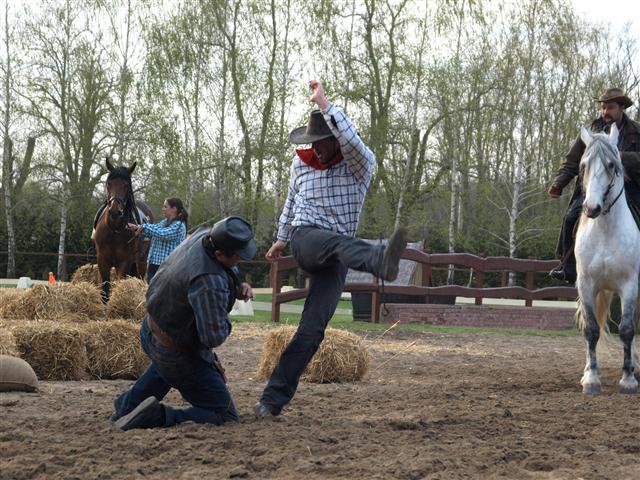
pixel 123 422
pixel 393 252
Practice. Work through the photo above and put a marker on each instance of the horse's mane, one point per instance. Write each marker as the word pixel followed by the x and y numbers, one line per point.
pixel 600 147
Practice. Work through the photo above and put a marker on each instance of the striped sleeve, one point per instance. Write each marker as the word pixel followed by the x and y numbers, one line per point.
pixel 361 159
pixel 208 296
pixel 284 223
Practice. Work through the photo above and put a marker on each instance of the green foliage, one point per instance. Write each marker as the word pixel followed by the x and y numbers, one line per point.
pixel 469 108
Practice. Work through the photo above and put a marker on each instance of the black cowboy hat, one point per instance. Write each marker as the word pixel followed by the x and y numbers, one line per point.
pixel 615 95
pixel 317 129
pixel 236 235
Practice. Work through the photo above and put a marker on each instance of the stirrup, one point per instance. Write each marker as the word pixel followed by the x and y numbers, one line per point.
pixel 558 273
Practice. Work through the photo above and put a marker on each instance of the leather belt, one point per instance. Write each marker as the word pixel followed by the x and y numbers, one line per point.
pixel 169 342
pixel 162 337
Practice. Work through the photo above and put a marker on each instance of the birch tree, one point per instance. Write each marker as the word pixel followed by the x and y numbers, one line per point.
pixel 14 172
pixel 69 95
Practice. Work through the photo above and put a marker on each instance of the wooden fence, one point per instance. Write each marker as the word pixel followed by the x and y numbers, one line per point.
pixel 426 263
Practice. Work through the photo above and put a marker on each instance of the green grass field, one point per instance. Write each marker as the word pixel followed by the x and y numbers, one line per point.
pixel 266 297
pixel 346 322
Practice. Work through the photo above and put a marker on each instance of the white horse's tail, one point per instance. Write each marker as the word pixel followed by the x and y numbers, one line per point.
pixel 603 314
pixel 603 302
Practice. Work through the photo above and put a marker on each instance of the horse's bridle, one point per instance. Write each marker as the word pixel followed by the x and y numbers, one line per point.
pixel 612 178
pixel 118 200
pixel 609 187
pixel 121 202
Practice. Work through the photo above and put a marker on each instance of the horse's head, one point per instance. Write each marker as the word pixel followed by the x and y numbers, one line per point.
pixel 119 190
pixel 601 171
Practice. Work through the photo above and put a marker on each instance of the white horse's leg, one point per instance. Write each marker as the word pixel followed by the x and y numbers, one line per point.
pixel 628 383
pixel 635 355
pixel 591 378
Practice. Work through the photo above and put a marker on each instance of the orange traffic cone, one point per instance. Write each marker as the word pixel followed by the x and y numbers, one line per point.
pixel 52 279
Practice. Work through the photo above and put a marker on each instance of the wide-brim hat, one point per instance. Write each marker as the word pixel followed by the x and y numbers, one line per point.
pixel 317 129
pixel 234 234
pixel 616 95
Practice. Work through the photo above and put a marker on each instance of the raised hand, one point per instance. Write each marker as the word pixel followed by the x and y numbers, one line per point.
pixel 317 94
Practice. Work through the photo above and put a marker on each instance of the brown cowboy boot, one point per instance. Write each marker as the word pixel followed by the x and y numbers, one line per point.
pixel 392 253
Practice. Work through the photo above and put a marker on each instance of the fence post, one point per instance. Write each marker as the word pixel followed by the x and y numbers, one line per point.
pixel 479 280
pixel 274 278
pixel 529 283
pixel 375 302
pixel 425 273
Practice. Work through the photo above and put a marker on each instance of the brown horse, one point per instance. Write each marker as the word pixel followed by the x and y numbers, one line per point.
pixel 117 246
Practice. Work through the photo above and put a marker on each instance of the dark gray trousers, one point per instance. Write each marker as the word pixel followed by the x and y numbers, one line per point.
pixel 325 256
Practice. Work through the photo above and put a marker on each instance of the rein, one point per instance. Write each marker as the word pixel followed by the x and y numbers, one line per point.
pixel 612 179
pixel 608 209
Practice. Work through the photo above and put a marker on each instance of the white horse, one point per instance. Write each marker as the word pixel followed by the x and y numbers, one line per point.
pixel 607 254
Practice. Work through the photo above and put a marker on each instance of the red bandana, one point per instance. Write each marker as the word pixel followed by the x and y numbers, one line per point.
pixel 308 156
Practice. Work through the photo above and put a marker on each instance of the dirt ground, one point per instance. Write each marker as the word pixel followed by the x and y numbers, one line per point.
pixel 451 406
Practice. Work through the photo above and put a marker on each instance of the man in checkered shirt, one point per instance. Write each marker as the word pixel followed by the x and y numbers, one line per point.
pixel 327 189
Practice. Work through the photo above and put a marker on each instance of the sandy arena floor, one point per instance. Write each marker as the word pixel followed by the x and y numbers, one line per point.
pixel 451 406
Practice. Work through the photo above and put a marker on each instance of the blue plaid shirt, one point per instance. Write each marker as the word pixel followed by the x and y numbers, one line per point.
pixel 164 239
pixel 331 199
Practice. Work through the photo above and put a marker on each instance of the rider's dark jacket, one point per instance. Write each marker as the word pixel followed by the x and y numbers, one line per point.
pixel 629 146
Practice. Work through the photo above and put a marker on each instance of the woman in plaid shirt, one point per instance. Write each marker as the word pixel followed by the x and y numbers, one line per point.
pixel 165 235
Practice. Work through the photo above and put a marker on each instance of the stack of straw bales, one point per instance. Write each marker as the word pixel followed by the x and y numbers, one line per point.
pixel 61 301
pixel 65 332
pixel 113 350
pixel 7 342
pixel 8 298
pixel 128 299
pixel 342 357
pixel 55 351
pixel 90 273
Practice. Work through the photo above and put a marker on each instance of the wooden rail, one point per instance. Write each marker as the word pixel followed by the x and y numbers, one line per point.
pixel 426 263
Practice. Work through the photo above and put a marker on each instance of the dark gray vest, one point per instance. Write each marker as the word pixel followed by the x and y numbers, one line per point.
pixel 167 300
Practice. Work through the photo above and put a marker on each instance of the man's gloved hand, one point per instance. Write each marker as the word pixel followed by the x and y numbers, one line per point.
pixel 554 190
pixel 244 292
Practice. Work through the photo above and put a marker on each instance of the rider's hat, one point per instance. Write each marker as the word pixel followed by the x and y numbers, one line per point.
pixel 316 129
pixel 615 95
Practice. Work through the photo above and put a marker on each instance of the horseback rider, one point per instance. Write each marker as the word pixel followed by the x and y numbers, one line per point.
pixel 613 103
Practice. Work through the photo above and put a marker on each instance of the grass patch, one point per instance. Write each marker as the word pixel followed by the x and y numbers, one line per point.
pixel 266 297
pixel 346 322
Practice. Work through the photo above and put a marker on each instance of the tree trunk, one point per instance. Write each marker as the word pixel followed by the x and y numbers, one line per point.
pixel 455 181
pixel 282 138
pixel 7 183
pixel 64 210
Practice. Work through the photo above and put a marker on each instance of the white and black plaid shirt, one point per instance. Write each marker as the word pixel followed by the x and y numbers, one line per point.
pixel 331 199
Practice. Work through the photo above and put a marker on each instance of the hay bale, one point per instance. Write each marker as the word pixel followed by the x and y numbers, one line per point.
pixel 61 301
pixel 113 350
pixel 128 299
pixel 55 351
pixel 7 342
pixel 89 273
pixel 342 357
pixel 9 298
